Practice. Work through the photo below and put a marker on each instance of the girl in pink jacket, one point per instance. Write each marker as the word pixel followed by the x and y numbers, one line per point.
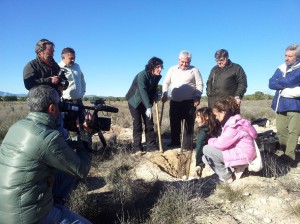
pixel 230 153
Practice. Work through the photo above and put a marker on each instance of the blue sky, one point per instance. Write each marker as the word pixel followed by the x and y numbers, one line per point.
pixel 114 39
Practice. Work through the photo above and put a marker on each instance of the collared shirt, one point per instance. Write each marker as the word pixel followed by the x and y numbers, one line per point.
pixel 183 84
pixel 77 85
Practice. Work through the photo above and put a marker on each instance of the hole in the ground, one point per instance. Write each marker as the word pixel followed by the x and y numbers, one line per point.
pixel 173 162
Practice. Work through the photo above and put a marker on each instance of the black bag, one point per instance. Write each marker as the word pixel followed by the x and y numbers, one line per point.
pixel 267 141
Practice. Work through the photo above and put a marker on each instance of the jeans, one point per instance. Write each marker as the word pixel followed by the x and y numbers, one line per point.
pixel 63 184
pixel 60 126
pixel 60 214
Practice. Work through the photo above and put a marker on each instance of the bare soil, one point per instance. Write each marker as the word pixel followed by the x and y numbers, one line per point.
pixel 265 198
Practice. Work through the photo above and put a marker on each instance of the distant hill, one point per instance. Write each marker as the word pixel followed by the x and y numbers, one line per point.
pixel 25 95
pixel 12 94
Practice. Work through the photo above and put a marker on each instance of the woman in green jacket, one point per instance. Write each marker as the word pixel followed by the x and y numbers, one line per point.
pixel 140 97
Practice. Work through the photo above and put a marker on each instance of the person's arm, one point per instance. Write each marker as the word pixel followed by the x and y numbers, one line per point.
pixel 226 140
pixel 242 84
pixel 209 82
pixel 166 85
pixel 290 80
pixel 33 77
pixel 291 92
pixel 143 89
pixel 274 80
pixel 83 84
pixel 287 83
pixel 199 86
pixel 59 155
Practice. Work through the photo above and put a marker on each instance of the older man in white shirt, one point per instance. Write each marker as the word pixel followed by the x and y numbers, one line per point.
pixel 186 86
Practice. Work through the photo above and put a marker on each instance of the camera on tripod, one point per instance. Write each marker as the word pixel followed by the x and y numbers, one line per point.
pixel 74 112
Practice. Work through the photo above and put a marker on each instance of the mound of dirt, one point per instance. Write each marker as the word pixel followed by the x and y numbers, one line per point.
pixel 262 201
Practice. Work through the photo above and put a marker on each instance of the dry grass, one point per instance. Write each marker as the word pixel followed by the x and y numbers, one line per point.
pixel 226 192
pixel 129 200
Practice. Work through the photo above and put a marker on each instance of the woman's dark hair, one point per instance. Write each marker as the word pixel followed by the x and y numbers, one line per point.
pixel 229 105
pixel 211 122
pixel 152 63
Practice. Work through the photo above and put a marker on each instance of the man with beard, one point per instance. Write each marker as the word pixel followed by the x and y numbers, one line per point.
pixel 286 103
pixel 77 85
pixel 44 70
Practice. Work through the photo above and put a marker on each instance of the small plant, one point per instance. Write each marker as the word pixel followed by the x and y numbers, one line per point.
pixel 82 203
pixel 174 206
pixel 230 194
pixel 295 210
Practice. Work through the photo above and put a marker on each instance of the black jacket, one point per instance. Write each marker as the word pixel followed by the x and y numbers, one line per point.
pixel 37 72
pixel 223 82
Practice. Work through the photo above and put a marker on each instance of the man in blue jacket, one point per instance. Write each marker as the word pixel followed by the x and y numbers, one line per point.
pixel 286 102
pixel 30 152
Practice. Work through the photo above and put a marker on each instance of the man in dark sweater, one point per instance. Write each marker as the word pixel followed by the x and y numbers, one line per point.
pixel 225 79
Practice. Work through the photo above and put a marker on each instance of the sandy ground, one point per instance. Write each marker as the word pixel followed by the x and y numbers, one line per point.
pixel 266 200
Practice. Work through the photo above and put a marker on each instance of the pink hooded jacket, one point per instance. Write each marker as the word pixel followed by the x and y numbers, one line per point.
pixel 236 141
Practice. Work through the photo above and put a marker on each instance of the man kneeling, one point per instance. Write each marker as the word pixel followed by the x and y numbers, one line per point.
pixel 31 150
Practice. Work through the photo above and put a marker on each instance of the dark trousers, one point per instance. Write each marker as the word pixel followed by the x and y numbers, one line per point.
pixel 180 111
pixel 139 116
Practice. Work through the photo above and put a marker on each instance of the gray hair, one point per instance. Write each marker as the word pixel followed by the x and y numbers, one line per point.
pixel 40 97
pixel 185 54
pixel 41 45
pixel 294 47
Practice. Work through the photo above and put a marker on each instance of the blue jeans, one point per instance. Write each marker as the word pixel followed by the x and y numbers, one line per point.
pixel 60 214
pixel 63 185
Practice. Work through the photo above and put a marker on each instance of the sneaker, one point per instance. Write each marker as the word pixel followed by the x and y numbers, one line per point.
pixel 227 181
pixel 199 169
pixel 239 170
pixel 137 149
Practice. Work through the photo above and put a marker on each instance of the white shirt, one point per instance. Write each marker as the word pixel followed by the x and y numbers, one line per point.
pixel 183 84
pixel 77 85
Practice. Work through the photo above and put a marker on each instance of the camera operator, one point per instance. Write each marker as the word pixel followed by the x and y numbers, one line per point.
pixel 43 69
pixel 30 152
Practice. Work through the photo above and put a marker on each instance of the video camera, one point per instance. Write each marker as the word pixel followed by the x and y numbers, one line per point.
pixel 63 79
pixel 78 110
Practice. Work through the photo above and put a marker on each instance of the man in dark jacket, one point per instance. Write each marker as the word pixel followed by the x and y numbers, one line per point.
pixel 225 79
pixel 44 70
pixel 140 99
pixel 31 150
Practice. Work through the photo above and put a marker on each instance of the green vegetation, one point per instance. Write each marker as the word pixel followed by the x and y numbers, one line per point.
pixel 256 96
